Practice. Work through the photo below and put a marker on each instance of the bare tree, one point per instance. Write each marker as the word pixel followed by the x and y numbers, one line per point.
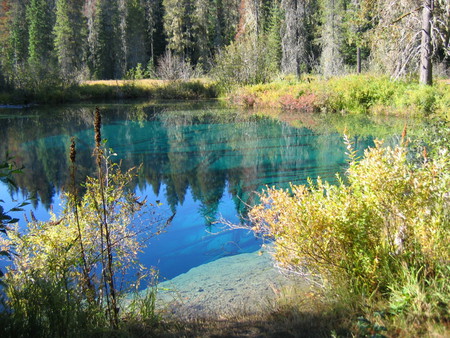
pixel 426 74
pixel 295 36
pixel 331 59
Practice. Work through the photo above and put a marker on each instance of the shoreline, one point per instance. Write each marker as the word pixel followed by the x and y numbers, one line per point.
pixel 240 284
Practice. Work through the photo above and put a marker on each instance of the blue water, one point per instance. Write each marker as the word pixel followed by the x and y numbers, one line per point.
pixel 201 162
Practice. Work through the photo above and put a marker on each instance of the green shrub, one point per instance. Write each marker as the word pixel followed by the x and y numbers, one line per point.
pixel 137 73
pixel 57 279
pixel 246 61
pixel 66 277
pixel 354 94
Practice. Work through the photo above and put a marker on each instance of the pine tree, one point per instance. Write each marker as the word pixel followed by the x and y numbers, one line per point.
pixel 202 30
pixel 155 37
pixel 136 34
pixel 106 54
pixel 177 25
pixel 40 19
pixel 17 48
pixel 69 33
pixel 227 21
pixel 273 36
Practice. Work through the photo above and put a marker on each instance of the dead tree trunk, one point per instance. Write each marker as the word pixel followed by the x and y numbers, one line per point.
pixel 358 60
pixel 426 75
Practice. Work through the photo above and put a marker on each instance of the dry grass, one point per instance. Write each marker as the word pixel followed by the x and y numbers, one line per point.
pixel 141 83
pixel 297 313
pixel 145 83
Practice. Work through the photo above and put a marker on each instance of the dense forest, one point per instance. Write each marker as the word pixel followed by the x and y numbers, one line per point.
pixel 245 41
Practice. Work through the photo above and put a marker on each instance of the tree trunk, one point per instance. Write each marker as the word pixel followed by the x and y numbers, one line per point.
pixel 425 56
pixel 358 60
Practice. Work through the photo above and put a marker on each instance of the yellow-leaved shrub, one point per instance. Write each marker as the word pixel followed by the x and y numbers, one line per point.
pixel 387 215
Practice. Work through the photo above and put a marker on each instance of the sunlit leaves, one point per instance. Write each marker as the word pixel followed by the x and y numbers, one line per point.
pixel 389 214
pixel 49 252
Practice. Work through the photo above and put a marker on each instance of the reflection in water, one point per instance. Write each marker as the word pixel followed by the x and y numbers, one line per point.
pixel 201 163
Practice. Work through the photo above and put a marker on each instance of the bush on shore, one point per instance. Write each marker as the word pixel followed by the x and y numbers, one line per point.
pixel 382 237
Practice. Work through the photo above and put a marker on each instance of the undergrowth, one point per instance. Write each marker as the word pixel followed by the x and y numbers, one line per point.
pixel 353 94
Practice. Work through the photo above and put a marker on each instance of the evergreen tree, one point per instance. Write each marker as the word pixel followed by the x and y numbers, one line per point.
pixel 122 30
pixel 4 11
pixel 106 53
pixel 40 19
pixel 227 21
pixel 177 25
pixel 69 36
pixel 17 48
pixel 89 13
pixel 203 22
pixel 136 34
pixel 273 36
pixel 357 22
pixel 155 37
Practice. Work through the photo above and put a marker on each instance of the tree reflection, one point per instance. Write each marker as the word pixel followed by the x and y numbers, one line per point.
pixel 205 151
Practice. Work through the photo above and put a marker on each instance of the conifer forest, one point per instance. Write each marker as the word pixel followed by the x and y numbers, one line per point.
pixel 75 40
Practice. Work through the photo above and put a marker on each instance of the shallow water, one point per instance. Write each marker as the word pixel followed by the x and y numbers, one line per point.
pixel 201 162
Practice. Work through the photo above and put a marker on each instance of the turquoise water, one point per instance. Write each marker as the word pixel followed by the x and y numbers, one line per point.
pixel 201 162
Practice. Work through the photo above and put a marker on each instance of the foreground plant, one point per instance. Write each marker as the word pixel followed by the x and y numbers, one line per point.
pixel 383 233
pixel 68 273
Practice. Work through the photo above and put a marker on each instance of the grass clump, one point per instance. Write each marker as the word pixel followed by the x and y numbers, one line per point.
pixel 381 239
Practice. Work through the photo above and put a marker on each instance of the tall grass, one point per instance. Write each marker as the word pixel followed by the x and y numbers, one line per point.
pixel 115 89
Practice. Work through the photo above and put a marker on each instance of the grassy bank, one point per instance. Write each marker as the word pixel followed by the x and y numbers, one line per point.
pixel 113 90
pixel 351 94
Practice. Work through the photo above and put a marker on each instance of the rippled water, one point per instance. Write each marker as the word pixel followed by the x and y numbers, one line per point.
pixel 200 161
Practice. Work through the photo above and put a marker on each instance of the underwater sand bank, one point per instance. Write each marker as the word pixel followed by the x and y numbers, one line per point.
pixel 240 284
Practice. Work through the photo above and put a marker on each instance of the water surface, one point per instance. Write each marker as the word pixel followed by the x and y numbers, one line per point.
pixel 200 161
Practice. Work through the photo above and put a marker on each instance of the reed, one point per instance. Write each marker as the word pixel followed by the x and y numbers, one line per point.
pixel 106 244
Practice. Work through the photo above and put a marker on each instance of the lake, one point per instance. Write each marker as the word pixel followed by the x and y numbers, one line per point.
pixel 201 161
